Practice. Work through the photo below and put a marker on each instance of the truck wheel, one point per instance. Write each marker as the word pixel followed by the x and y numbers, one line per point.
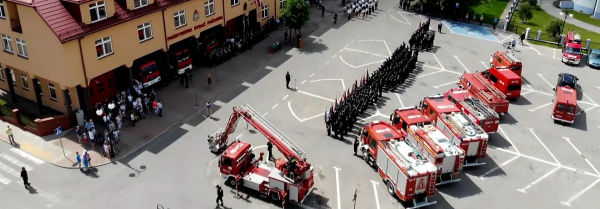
pixel 366 157
pixel 274 196
pixel 391 189
pixel 231 181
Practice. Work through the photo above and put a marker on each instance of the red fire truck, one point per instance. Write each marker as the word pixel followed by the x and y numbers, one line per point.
pixel 572 49
pixel 407 173
pixel 147 74
pixel 181 61
pixel 476 110
pixel 464 133
pixel 565 105
pixel 432 106
pixel 505 80
pixel 504 59
pixel 288 179
pixel 485 91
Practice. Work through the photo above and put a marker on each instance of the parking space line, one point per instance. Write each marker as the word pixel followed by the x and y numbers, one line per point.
pixel 507 37
pixel 591 108
pixel 544 145
pixel 311 75
pixel 498 167
pixel 316 96
pixel 568 203
pixel 375 191
pixel 484 65
pixel 286 96
pixel 435 68
pixel 401 103
pixel 337 184
pixel 449 28
pixel 274 106
pixel 440 63
pixel 265 114
pixel 344 61
pixel 578 152
pixel 508 139
pixel 334 56
pixel 356 50
pixel 404 18
pixel 428 74
pixel 586 96
pixel 524 190
pixel 551 86
pixel 456 57
pixel 303 82
pixel 438 86
pixel 398 19
pixel 530 45
pixel 531 110
pixel 547 162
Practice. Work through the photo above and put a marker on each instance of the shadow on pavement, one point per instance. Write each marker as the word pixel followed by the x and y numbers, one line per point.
pixel 479 171
pixel 464 188
pixel 316 200
pixel 508 119
pixel 580 122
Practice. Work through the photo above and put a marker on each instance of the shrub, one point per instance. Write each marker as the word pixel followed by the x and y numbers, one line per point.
pixel 554 29
pixel 525 12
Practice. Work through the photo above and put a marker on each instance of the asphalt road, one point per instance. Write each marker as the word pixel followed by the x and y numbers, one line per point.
pixel 532 163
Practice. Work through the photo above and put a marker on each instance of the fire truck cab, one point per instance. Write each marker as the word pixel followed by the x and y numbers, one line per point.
pixel 481 88
pixel 431 106
pixel 572 49
pixel 504 59
pixel 181 61
pixel 564 105
pixel 406 172
pixel 504 80
pixel 476 110
pixel 147 75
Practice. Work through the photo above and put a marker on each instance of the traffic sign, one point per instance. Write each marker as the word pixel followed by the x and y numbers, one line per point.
pixel 58 131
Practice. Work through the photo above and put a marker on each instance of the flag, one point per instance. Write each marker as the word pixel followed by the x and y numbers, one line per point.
pixel 355 84
pixel 367 74
pixel 348 91
pixel 259 3
pixel 336 103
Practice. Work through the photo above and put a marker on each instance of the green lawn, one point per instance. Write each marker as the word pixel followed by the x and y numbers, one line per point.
pixel 586 18
pixel 541 19
pixel 490 9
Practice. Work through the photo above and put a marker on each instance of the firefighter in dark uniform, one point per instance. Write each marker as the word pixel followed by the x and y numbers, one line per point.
pixel 356 145
pixel 219 195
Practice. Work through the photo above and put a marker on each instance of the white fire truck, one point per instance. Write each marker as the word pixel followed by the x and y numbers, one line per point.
pixel 407 173
pixel 466 134
pixel 288 179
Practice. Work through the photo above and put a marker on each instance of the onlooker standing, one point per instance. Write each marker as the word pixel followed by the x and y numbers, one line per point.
pixel 79 133
pixel 88 157
pixel 92 137
pixel 522 37
pixel 209 78
pixel 132 120
pixel 25 178
pixel 514 43
pixel 270 148
pixel 160 108
pixel 322 10
pixel 480 20
pixel 288 77
pixel 440 27
pixel 495 22
pixel 11 138
pixel 208 110
pixel 78 159
pixel 155 107
pixel 219 195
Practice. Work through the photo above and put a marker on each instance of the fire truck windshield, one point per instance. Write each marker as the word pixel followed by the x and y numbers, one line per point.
pixel 572 50
pixel 183 57
pixel 149 69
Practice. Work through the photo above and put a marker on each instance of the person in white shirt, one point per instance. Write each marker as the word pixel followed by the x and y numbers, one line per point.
pixel 160 108
pixel 92 136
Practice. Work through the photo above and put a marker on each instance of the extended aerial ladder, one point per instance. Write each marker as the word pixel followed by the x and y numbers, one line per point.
pixel 495 92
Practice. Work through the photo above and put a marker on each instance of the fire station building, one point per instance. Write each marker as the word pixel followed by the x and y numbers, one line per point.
pixel 71 54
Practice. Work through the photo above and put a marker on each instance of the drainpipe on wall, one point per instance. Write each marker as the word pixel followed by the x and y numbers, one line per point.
pixel 85 107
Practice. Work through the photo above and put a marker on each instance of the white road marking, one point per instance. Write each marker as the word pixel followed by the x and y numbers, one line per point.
pixel 484 65
pixel 482 177
pixel 27 156
pixel 435 68
pixel 586 96
pixel 438 61
pixel 16 162
pixel 404 18
pixel 508 139
pixel 334 56
pixel 531 110
pixel 341 80
pixel 274 106
pixel 375 191
pixel 265 114
pixel 303 82
pixel 551 86
pixel 211 121
pixel 526 93
pixel 428 74
pixel 356 50
pixel 385 43
pixel 285 97
pixel 359 65
pixel 449 28
pixel 246 84
pixel 438 86
pixel 420 17
pixel 507 37
pixel 398 20
pixel 311 75
pixel 239 136
pixel 401 104
pixel 568 203
pixel 544 145
pixel 305 119
pixel 547 162
pixel 348 44
pixel 4 180
pixel 456 57
pixel 9 170
pixel 337 184
pixel 327 62
pixel 531 46
pixel 49 205
pixel 341 50
pixel 524 190
pixel 316 96
pixel 320 68
pixel 584 158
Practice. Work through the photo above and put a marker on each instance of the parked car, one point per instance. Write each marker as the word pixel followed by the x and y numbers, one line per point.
pixel 593 59
pixel 566 79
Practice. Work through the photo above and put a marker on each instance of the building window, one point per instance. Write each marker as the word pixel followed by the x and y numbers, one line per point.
pixel 24 80
pixel 140 3
pixel 179 18
pixel 209 7
pixel 52 91
pixel 265 11
pixel 1 74
pixel 12 75
pixel 104 47
pixel 145 31
pixel 97 11
pixel 21 48
pixel 7 43
pixel 2 15
pixel 281 3
pixel 235 2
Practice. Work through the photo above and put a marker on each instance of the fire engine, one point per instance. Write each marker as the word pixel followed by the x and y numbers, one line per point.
pixel 289 179
pixel 565 104
pixel 407 173
pixel 505 80
pixel 464 133
pixel 183 61
pixel 432 106
pixel 147 74
pixel 447 156
pixel 572 49
pixel 476 110
pixel 484 90
pixel 504 59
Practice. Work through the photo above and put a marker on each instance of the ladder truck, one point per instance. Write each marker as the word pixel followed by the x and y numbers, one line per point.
pixel 475 109
pixel 289 179
pixel 484 90
pixel 435 145
pixel 464 133
pixel 406 172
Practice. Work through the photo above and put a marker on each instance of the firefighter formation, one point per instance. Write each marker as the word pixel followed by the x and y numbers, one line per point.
pixel 342 115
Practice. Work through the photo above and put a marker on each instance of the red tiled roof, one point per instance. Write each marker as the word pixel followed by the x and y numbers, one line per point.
pixel 66 28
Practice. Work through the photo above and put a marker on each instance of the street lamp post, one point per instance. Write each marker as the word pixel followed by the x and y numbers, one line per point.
pixel 566 14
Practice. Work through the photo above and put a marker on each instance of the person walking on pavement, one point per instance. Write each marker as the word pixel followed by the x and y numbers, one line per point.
pixel 440 27
pixel 208 110
pixel 288 78
pixel 335 18
pixel 219 195
pixel 522 37
pixel 132 122
pixel 160 108
pixel 514 43
pixel 78 159
pixel 25 178
pixel 79 133
pixel 209 77
pixel 11 137
pixel 270 148
pixel 480 20
pixel 495 22
pixel 355 146
pixel 323 11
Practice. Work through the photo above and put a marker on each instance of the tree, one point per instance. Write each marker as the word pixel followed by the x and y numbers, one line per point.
pixel 532 2
pixel 295 14
pixel 525 12
pixel 554 29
